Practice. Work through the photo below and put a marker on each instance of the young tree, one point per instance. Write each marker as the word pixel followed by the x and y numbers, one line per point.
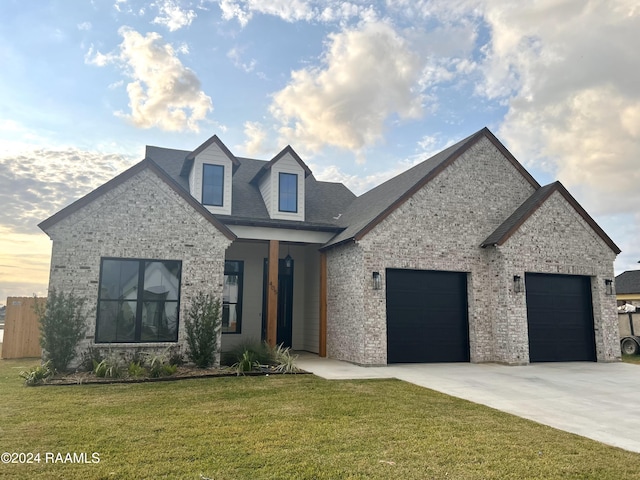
pixel 62 326
pixel 203 325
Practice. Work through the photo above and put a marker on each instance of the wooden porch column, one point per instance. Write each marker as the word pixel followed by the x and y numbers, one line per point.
pixel 272 292
pixel 322 341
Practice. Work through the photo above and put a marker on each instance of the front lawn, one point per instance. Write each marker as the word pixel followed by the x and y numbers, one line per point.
pixel 282 427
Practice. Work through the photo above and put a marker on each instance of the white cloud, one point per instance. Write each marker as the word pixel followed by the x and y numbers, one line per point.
pixel 235 55
pixel 35 184
pixel 369 75
pixel 568 73
pixel 163 92
pixel 257 143
pixel 86 26
pixel 173 16
pixel 592 141
pixel 296 10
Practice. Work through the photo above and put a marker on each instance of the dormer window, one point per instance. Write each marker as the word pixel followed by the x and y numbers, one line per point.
pixel 213 185
pixel 288 192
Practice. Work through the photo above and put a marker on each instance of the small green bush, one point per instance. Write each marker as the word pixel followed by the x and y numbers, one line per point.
pixel 260 351
pixel 283 361
pixel 203 326
pixel 246 363
pixel 109 367
pixel 37 375
pixel 62 326
pixel 135 369
pixel 255 356
pixel 159 366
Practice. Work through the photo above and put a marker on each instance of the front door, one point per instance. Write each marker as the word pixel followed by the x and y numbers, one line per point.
pixel 285 302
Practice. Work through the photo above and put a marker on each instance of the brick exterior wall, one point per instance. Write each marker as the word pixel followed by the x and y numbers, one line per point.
pixel 140 218
pixel 555 239
pixel 346 319
pixel 441 227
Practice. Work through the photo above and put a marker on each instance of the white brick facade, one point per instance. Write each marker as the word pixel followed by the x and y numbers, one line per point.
pixel 140 218
pixel 441 227
pixel 473 188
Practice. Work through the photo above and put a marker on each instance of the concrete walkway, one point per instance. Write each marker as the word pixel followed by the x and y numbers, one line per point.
pixel 600 401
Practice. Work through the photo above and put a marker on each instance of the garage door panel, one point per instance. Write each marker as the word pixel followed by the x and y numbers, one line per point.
pixel 426 316
pixel 560 318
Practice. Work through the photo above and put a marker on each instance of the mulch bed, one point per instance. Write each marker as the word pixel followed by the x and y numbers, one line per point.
pixel 183 373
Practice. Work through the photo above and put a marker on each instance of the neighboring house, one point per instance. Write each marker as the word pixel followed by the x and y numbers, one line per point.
pixel 628 287
pixel 464 257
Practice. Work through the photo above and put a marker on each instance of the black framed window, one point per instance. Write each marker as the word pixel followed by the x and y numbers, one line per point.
pixel 288 192
pixel 138 300
pixel 232 296
pixel 212 185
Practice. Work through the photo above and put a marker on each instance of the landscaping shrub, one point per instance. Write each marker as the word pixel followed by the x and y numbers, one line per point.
pixel 62 325
pixel 203 326
pixel 159 366
pixel 110 367
pixel 283 361
pixel 254 356
pixel 136 370
pixel 37 374
pixel 259 351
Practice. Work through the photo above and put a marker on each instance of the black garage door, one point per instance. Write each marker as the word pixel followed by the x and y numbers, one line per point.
pixel 427 317
pixel 560 318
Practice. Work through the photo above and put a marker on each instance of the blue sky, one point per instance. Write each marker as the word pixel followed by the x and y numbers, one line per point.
pixel 361 90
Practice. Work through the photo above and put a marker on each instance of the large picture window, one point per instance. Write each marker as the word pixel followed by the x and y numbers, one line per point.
pixel 212 185
pixel 288 192
pixel 139 300
pixel 232 296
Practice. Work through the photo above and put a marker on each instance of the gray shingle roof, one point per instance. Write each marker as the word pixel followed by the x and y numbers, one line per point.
pixel 628 282
pixel 366 210
pixel 324 200
pixel 332 206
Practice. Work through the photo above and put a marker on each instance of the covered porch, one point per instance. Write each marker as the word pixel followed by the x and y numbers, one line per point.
pixel 275 291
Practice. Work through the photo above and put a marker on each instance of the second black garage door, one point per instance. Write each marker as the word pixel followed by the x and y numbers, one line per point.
pixel 427 316
pixel 560 318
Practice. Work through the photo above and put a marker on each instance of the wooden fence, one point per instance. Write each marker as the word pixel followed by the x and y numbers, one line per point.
pixel 21 328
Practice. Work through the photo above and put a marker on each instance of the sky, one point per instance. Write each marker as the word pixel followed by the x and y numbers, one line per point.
pixel 361 90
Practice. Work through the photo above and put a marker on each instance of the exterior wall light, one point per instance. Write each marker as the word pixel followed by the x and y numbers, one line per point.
pixel 518 284
pixel 377 281
pixel 287 260
pixel 608 286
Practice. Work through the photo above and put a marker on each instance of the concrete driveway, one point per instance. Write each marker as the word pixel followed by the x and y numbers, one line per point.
pixel 600 401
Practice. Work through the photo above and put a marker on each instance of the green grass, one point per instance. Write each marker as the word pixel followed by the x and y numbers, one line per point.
pixel 631 358
pixel 284 427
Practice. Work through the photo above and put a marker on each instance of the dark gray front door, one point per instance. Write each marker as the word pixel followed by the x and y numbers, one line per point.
pixel 285 302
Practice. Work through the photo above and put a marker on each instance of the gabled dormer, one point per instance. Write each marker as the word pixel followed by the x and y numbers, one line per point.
pixel 281 183
pixel 210 170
